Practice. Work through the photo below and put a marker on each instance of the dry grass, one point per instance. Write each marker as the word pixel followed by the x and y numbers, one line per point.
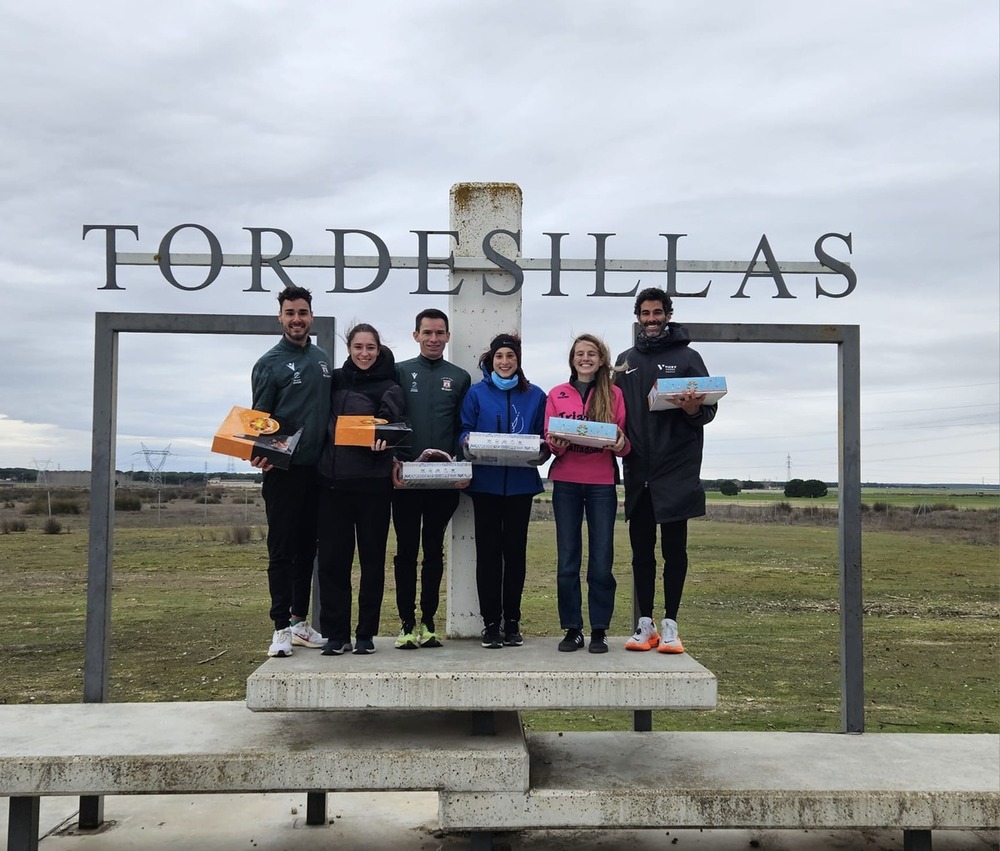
pixel 189 618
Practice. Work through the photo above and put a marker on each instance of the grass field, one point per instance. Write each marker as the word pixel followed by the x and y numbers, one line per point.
pixel 760 610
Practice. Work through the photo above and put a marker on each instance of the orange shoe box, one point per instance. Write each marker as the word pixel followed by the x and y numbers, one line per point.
pixel 246 433
pixel 365 430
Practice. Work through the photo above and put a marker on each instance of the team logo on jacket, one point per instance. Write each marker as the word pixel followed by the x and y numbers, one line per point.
pixel 413 386
pixel 296 375
pixel 446 384
pixel 669 368
pixel 324 368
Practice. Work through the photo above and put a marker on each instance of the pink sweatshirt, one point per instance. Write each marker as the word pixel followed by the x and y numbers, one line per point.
pixel 587 465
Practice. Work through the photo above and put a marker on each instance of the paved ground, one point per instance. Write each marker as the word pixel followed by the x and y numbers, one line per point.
pixel 399 821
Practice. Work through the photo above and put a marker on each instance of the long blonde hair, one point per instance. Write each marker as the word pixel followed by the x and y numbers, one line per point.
pixel 600 407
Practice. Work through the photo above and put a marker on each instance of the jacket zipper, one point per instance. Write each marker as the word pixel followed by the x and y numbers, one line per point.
pixel 507 392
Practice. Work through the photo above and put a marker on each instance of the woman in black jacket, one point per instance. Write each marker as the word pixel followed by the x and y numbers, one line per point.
pixel 356 495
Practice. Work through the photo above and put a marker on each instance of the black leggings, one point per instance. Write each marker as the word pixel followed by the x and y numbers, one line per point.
pixel 501 551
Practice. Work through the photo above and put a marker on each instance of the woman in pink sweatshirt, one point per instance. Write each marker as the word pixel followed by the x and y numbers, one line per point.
pixel 583 480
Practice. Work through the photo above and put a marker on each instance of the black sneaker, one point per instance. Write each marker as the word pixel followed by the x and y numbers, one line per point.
pixel 363 647
pixel 512 635
pixel 492 637
pixel 598 641
pixel 336 647
pixel 572 641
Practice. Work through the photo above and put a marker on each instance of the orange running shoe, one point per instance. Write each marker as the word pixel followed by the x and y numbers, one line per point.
pixel 670 642
pixel 645 637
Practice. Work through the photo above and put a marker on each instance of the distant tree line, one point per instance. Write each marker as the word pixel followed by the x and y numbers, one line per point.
pixel 731 487
pixel 793 488
pixel 30 475
pixel 18 474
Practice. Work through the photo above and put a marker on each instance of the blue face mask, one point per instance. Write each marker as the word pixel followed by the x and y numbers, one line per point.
pixel 504 383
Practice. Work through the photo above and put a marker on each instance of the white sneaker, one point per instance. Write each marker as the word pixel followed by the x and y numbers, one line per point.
pixel 281 643
pixel 645 637
pixel 305 636
pixel 670 642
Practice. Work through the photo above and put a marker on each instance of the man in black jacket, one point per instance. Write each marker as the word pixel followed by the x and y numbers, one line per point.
pixel 434 389
pixel 663 470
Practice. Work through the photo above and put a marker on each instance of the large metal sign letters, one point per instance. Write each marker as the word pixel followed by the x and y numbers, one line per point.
pixel 763 263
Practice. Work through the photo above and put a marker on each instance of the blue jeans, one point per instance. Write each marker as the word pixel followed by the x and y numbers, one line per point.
pixel 570 502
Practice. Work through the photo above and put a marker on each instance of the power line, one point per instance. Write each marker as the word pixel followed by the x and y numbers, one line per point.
pixel 155 459
pixel 43 471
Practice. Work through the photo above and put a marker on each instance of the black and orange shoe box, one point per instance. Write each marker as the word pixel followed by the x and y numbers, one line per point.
pixel 246 433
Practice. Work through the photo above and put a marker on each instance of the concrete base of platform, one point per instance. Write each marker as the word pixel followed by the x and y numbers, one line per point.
pixel 389 821
pixel 121 748
pixel 739 780
pixel 462 675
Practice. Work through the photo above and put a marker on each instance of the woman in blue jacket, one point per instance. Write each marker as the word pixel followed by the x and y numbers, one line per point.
pixel 503 402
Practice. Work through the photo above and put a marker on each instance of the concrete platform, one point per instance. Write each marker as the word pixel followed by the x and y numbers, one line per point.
pixel 107 748
pixel 740 780
pixel 462 675
pixel 392 821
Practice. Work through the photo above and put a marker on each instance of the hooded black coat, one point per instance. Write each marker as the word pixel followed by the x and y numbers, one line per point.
pixel 666 445
pixel 373 391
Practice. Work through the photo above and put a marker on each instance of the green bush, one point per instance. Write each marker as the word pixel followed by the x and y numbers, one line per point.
pixel 809 487
pixel 60 505
pixel 814 488
pixel 793 487
pixel 9 526
pixel 127 501
pixel 239 535
pixel 51 526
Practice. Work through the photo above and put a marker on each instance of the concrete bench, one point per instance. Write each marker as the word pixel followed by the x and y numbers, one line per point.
pixel 914 782
pixel 213 747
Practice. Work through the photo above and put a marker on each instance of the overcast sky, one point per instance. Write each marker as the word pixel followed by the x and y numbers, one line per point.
pixel 723 121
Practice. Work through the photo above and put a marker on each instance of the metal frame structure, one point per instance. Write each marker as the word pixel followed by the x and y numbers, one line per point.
pixel 107 327
pixel 847 338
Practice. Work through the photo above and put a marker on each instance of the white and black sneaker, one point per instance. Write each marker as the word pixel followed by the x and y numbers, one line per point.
pixel 281 643
pixel 336 647
pixel 512 634
pixel 492 637
pixel 363 647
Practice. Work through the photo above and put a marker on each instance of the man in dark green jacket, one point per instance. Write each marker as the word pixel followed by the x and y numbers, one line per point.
pixel 434 389
pixel 292 383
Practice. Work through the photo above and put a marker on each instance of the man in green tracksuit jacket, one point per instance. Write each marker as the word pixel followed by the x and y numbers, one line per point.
pixel 292 383
pixel 434 389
